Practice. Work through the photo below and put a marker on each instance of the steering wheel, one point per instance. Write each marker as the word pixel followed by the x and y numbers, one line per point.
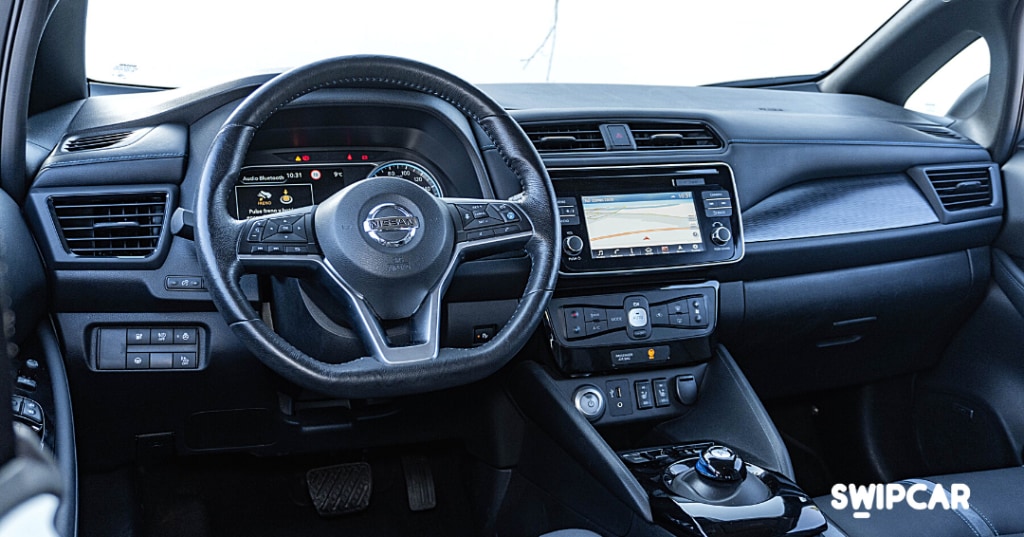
pixel 385 248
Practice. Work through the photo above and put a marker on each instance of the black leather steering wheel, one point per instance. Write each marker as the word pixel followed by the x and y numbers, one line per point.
pixel 384 247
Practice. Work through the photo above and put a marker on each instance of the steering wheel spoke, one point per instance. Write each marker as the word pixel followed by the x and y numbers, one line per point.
pixel 423 328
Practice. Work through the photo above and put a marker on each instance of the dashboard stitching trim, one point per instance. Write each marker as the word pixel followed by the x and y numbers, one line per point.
pixel 852 142
pixel 115 159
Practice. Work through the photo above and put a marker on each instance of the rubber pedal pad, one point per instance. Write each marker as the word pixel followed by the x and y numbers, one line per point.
pixel 419 484
pixel 341 489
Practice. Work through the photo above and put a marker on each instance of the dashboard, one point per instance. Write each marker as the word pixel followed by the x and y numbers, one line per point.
pixel 793 220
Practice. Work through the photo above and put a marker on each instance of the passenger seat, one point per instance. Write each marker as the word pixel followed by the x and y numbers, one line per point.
pixel 995 508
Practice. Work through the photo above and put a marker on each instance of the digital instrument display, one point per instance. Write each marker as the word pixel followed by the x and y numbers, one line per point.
pixel 266 190
pixel 628 225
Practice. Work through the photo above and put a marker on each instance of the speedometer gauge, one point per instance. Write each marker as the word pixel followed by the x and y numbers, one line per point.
pixel 410 172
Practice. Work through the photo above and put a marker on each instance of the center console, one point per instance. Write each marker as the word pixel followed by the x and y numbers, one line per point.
pixel 707 489
pixel 641 384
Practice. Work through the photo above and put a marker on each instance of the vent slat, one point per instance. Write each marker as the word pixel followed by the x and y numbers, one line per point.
pixel 113 226
pixel 96 141
pixel 568 137
pixel 962 188
pixel 674 135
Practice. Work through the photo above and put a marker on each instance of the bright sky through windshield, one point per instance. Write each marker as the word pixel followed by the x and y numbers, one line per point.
pixel 673 42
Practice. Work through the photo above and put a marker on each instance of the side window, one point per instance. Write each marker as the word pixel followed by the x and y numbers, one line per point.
pixel 940 92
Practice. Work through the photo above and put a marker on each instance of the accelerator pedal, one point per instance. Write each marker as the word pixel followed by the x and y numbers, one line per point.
pixel 419 484
pixel 341 489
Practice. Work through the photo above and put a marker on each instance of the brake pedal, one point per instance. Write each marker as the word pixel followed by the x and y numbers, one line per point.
pixel 340 490
pixel 419 483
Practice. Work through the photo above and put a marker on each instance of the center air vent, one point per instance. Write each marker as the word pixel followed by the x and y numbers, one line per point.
pixel 609 135
pixel 96 141
pixel 962 188
pixel 565 137
pixel 675 135
pixel 110 226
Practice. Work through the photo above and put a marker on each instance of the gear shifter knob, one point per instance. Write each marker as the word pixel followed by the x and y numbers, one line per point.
pixel 721 464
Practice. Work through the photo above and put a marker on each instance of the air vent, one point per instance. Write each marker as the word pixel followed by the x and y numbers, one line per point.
pixel 939 132
pixel 676 135
pixel 97 141
pixel 551 138
pixel 115 226
pixel 962 188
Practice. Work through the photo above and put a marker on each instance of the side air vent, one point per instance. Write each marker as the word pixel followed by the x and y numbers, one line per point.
pixel 550 138
pixel 97 141
pixel 676 135
pixel 962 188
pixel 110 226
pixel 939 132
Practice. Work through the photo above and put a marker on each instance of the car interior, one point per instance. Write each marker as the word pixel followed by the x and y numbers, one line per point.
pixel 367 297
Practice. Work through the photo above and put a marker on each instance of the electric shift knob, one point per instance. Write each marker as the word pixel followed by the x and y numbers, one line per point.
pixel 721 464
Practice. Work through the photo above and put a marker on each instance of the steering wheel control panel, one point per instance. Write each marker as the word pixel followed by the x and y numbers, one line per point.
pixel 606 332
pixel 136 348
pixel 641 218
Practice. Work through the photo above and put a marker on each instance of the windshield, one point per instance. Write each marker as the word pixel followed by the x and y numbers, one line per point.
pixel 666 42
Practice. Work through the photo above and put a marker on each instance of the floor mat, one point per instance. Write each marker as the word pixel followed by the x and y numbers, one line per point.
pixel 267 497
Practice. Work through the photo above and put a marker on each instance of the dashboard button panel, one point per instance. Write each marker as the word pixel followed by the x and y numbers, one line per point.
pixel 140 348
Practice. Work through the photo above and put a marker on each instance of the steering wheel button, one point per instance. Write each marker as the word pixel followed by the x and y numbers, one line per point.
pixel 275 249
pixel 294 249
pixel 481 234
pixel 32 412
pixel 284 228
pixel 482 222
pixel 258 249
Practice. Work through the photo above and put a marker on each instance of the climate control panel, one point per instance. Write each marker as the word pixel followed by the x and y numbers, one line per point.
pixel 613 331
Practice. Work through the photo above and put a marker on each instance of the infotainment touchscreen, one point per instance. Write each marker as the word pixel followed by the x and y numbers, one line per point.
pixel 628 225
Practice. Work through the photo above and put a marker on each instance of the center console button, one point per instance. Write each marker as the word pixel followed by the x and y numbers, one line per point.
pixel 659 315
pixel 589 401
pixel 616 319
pixel 661 397
pixel 596 327
pixel 637 317
pixel 574 322
pixel 595 314
pixel 681 320
pixel 644 399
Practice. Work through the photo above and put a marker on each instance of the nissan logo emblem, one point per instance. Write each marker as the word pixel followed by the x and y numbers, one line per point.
pixel 391 225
